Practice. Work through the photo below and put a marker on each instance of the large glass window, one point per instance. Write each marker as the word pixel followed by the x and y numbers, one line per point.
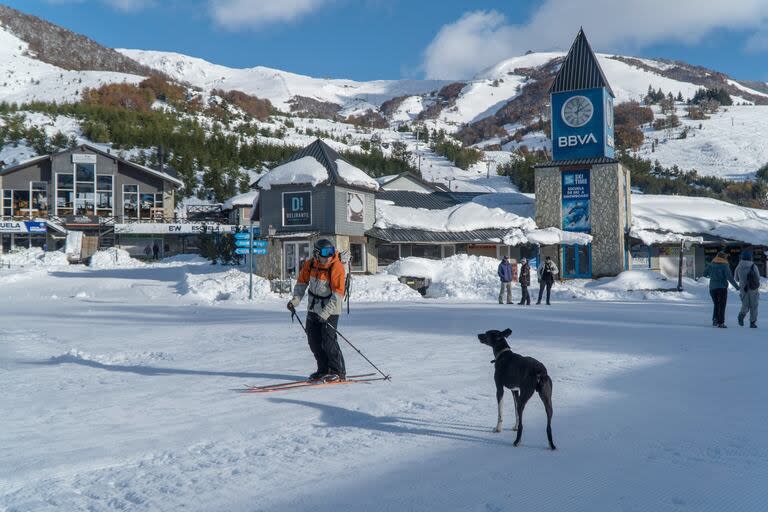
pixel 431 252
pixel 85 189
pixel 146 205
pixel 131 201
pixel 104 204
pixel 65 194
pixel 21 202
pixel 39 192
pixel 387 254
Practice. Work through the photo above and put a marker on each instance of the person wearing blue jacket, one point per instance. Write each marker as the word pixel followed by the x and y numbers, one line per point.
pixel 506 275
pixel 719 274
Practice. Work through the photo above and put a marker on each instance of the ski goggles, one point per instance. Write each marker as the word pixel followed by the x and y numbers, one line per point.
pixel 326 252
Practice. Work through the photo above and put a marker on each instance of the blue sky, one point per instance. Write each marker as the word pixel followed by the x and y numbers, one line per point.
pixel 450 39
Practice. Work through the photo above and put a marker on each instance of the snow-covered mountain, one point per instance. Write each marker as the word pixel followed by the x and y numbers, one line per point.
pixel 497 110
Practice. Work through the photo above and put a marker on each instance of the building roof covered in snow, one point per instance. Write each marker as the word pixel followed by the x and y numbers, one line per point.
pixel 246 199
pixel 317 164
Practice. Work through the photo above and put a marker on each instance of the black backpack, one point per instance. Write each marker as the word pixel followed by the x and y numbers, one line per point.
pixel 753 279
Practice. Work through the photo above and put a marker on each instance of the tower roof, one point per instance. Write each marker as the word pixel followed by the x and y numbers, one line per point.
pixel 580 69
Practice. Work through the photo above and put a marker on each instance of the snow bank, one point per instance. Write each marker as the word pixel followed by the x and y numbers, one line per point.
pixel 183 259
pixel 304 171
pixel 354 176
pixel 231 285
pixel 114 258
pixel 630 285
pixel 458 277
pixel 115 359
pixel 381 288
pixel 34 257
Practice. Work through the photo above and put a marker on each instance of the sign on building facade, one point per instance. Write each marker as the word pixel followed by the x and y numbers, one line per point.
pixel 23 227
pixel 576 208
pixel 355 207
pixel 297 208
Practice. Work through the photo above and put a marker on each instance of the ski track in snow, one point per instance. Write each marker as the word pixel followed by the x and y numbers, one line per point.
pixel 124 401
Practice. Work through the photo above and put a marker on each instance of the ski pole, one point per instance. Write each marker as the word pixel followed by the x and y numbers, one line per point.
pixel 294 315
pixel 386 377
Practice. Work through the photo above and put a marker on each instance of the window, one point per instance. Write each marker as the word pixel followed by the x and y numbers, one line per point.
pixel 39 193
pixel 104 196
pixel 431 252
pixel 21 202
pixel 7 204
pixel 146 205
pixel 131 201
pixel 576 261
pixel 158 212
pixel 357 261
pixel 65 194
pixel 448 251
pixel 388 254
pixel 85 189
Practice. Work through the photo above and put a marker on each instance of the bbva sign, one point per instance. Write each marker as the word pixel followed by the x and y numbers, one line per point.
pixel 569 141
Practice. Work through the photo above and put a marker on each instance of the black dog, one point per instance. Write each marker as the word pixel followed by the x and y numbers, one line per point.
pixel 523 375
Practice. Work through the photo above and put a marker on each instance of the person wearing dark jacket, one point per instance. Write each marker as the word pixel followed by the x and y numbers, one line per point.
pixel 506 275
pixel 547 273
pixel 525 282
pixel 719 274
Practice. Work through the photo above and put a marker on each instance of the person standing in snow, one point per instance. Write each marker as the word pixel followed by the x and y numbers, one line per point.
pixel 547 273
pixel 748 277
pixel 719 274
pixel 155 252
pixel 323 277
pixel 147 251
pixel 506 275
pixel 525 282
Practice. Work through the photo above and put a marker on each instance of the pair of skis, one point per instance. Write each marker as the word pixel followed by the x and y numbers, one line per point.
pixel 285 386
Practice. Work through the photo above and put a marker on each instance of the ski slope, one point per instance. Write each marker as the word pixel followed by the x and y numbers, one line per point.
pixel 119 394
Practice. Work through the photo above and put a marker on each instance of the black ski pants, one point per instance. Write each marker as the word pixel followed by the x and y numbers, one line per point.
pixel 525 297
pixel 324 345
pixel 548 285
pixel 719 300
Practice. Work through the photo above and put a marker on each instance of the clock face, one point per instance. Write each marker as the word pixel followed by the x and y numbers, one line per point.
pixel 577 111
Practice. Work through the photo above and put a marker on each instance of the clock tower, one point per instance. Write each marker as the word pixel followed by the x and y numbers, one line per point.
pixel 584 188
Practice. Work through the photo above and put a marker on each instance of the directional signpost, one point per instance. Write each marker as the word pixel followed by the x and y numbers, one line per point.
pixel 245 244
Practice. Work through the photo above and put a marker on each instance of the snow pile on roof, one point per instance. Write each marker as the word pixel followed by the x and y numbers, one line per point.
pixel 697 216
pixel 241 200
pixel 354 176
pixel 34 257
pixel 114 258
pixel 492 211
pixel 304 171
pixel 381 288
pixel 231 285
pixel 549 236
pixel 460 277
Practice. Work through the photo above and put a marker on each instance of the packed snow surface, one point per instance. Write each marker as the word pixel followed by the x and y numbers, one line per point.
pixel 121 393
pixel 114 258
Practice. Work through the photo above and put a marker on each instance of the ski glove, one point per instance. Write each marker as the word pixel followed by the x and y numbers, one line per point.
pixel 323 316
pixel 294 303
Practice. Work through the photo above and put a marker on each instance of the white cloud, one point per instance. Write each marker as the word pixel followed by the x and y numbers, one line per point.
pixel 129 5
pixel 482 38
pixel 240 14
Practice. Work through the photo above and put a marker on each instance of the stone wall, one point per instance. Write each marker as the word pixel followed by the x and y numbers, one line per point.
pixel 549 194
pixel 608 219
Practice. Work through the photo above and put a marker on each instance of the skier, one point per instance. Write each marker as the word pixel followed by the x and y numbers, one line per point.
pixel 719 274
pixel 323 277
pixel 506 275
pixel 525 282
pixel 748 277
pixel 547 273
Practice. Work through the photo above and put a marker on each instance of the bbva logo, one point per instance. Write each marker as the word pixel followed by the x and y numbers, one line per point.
pixel 576 140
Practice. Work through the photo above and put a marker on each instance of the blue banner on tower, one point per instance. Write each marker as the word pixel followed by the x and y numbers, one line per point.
pixel 576 215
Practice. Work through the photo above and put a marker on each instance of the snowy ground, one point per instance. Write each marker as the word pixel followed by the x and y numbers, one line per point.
pixel 118 395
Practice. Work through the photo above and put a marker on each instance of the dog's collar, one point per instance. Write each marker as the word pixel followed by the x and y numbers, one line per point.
pixel 502 351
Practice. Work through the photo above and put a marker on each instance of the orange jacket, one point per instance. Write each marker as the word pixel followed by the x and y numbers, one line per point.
pixel 325 284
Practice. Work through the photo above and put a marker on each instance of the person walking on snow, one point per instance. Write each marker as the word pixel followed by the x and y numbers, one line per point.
pixel 748 277
pixel 323 276
pixel 506 274
pixel 547 273
pixel 525 282
pixel 719 274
